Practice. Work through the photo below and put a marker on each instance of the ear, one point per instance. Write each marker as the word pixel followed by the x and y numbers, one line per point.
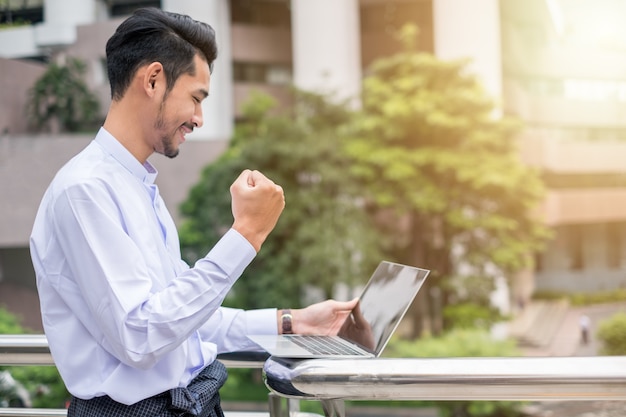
pixel 153 79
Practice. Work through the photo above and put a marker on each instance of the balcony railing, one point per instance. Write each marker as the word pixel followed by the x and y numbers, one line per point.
pixel 22 350
pixel 334 381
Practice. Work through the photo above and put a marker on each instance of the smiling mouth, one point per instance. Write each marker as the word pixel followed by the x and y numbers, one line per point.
pixel 185 130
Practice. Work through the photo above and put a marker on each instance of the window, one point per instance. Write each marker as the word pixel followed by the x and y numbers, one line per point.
pixel 274 13
pixel 574 238
pixel 126 7
pixel 615 245
pixel 250 72
pixel 21 11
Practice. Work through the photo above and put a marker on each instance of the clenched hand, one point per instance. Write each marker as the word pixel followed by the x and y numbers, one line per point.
pixel 257 203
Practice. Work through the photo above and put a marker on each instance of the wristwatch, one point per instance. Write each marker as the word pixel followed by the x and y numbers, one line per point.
pixel 285 319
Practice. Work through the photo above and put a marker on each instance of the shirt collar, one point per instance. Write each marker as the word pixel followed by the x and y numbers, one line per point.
pixel 146 173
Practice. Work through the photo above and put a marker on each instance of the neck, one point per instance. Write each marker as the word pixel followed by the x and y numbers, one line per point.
pixel 124 122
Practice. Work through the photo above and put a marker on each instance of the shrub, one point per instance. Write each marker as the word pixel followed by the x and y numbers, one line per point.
pixel 612 334
pixel 470 316
pixel 456 343
pixel 461 343
pixel 584 298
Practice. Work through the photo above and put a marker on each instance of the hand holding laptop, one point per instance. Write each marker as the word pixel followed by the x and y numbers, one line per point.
pixel 323 318
pixel 357 328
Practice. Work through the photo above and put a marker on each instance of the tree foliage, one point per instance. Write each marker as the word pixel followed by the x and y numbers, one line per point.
pixel 425 173
pixel 9 324
pixel 322 237
pixel 61 96
pixel 442 171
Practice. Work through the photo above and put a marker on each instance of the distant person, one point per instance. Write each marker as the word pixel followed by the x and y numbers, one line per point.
pixel 585 323
pixel 134 330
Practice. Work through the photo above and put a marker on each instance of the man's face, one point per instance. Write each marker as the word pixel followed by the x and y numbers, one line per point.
pixel 181 109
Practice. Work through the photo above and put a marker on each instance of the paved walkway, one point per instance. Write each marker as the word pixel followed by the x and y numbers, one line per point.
pixel 568 342
pixel 567 339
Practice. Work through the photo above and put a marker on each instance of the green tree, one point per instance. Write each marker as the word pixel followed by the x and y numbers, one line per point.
pixel 61 96
pixel 322 237
pixel 442 171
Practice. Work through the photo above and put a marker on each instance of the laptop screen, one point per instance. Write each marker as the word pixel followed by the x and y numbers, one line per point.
pixel 384 301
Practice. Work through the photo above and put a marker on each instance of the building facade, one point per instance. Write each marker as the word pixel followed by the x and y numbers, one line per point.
pixel 564 75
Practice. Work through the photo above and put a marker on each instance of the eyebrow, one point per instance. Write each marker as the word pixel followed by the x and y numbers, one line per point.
pixel 203 92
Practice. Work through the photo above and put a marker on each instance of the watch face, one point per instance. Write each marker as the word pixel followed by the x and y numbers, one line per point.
pixel 286 322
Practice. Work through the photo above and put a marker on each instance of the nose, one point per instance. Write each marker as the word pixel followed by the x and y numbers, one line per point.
pixel 197 118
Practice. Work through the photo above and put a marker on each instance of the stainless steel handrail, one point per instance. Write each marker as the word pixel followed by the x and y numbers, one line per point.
pixel 24 349
pixel 518 378
pixel 333 381
pixel 32 412
pixel 448 379
pixel 32 349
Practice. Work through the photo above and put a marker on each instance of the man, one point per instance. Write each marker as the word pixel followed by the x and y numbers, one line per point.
pixel 134 330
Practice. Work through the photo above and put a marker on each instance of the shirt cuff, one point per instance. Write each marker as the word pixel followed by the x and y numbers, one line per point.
pixel 233 253
pixel 262 321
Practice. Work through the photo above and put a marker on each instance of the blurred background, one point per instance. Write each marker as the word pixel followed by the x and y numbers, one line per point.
pixel 538 85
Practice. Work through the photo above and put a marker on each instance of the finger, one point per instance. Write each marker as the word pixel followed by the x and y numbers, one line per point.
pixel 259 176
pixel 250 179
pixel 243 177
pixel 358 314
pixel 347 305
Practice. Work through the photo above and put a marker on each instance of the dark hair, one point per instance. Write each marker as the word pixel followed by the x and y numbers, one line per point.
pixel 153 35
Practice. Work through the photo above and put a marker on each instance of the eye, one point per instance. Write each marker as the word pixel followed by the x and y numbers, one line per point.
pixel 196 100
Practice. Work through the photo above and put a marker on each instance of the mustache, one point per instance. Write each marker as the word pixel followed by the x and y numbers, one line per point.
pixel 189 126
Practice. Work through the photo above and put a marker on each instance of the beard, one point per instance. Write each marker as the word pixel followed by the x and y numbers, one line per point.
pixel 168 147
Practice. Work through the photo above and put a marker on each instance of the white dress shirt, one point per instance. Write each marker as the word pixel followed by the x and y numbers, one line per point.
pixel 123 314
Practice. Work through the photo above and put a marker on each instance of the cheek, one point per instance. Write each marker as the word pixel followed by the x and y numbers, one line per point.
pixel 182 112
pixel 177 111
pixel 170 118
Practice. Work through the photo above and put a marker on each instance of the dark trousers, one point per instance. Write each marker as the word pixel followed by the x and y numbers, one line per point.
pixel 199 399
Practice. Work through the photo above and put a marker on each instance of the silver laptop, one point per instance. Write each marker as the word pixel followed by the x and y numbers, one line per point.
pixel 366 331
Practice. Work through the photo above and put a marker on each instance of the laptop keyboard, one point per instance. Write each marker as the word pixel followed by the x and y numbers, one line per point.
pixel 324 345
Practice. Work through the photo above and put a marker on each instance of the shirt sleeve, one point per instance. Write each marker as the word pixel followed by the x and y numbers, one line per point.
pixel 228 328
pixel 137 320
